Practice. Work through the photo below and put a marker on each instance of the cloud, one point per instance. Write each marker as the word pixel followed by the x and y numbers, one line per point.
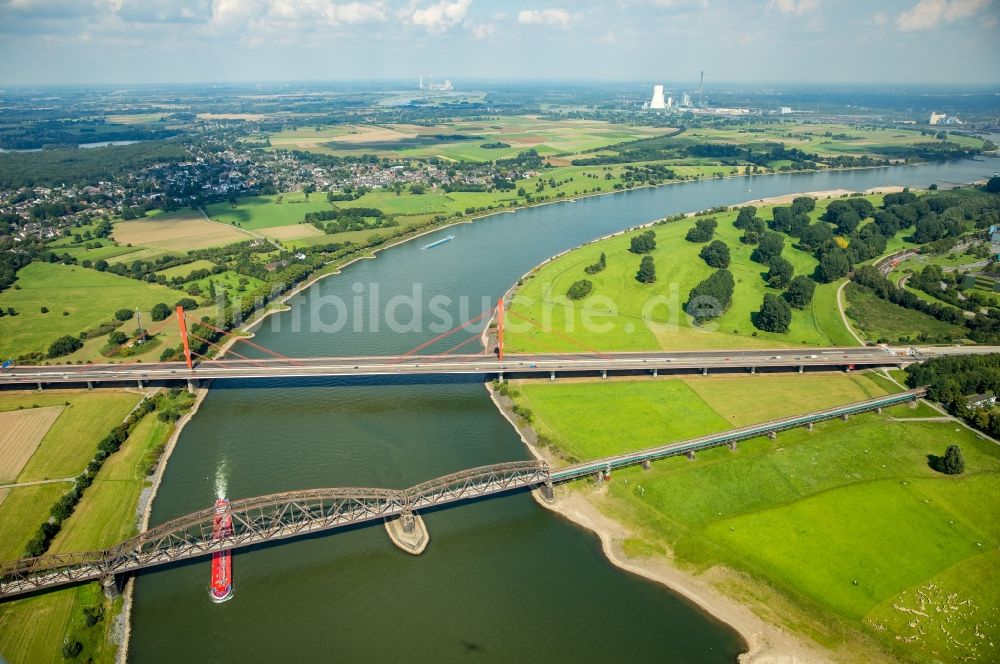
pixel 928 14
pixel 439 17
pixel 880 18
pixel 555 17
pixel 797 7
pixel 481 30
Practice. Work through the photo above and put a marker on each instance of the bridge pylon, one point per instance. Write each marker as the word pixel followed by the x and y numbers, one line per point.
pixel 500 316
pixel 182 323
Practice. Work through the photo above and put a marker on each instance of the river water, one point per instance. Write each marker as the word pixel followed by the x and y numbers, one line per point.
pixel 502 579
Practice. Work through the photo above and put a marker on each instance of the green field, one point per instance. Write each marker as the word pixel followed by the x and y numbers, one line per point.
pixel 651 315
pixel 186 269
pixel 878 319
pixel 22 511
pixel 256 212
pixel 90 297
pixel 72 440
pixel 797 513
pixel 106 514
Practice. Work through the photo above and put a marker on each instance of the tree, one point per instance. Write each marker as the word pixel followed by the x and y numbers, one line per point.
pixel 800 291
pixel 710 298
pixel 953 462
pixel 601 263
pixel 159 312
pixel 702 231
pixel 124 314
pixel 71 649
pixel 781 219
pixel 716 254
pixel 187 303
pixel 816 236
pixel 647 271
pixel 746 215
pixel 993 185
pixel 774 316
pixel 117 338
pixel 101 265
pixel 45 310
pixel 803 204
pixel 643 243
pixel 771 246
pixel 834 264
pixel 581 289
pixel 64 345
pixel 780 273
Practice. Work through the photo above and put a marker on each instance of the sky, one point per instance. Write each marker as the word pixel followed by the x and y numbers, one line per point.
pixel 767 41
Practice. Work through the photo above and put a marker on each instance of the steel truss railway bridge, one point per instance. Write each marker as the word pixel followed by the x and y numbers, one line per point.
pixel 286 515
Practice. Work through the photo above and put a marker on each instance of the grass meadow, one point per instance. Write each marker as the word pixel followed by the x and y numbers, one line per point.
pixel 89 297
pixel 848 523
pixel 638 325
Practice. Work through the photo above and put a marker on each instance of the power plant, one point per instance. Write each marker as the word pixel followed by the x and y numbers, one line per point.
pixel 657 103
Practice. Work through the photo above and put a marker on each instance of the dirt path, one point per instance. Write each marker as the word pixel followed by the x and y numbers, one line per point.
pixel 20 484
pixel 843 314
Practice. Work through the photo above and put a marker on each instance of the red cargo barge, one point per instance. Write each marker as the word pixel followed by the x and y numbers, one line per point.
pixel 222 561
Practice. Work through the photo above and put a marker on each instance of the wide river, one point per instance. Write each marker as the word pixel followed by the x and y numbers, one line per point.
pixel 503 579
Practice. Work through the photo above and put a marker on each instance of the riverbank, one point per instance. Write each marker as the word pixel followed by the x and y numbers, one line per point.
pixel 766 642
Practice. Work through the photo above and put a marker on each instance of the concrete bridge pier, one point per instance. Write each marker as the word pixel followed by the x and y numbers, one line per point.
pixel 809 427
pixel 690 455
pixel 141 385
pixel 802 368
pixel 408 532
pixel 90 384
pixel 704 372
pixel 655 373
pixel 552 375
pixel 110 585
pixel 732 446
pixel 192 385
pixel 753 370
pixel 547 492
pixel 646 465
pixel 40 386
pixel 879 410
pixel 773 435
pixel 604 373
pixel 845 417
pixel 500 377
pixel 913 404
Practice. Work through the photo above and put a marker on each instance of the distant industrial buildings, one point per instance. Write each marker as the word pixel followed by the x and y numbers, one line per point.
pixel 657 103
pixel 943 118
pixel 438 87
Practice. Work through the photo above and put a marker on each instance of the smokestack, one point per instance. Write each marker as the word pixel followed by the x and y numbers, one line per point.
pixel 701 86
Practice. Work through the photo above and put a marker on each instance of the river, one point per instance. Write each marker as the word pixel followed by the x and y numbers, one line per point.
pixel 502 579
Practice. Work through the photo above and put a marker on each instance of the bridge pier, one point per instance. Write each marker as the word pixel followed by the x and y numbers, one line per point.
pixel 773 435
pixel 40 387
pixel 802 368
pixel 500 377
pixel 110 585
pixel 809 427
pixel 90 384
pixel 604 373
pixel 753 370
pixel 646 465
pixel 192 385
pixel 547 492
pixel 690 455
pixel 141 386
pixel 732 446
pixel 845 417
pixel 552 375
pixel 408 532
pixel 913 404
pixel 704 372
pixel 879 410
pixel 655 373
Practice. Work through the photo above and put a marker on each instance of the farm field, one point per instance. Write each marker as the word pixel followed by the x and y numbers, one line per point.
pixel 176 231
pixel 89 297
pixel 186 269
pixel 810 493
pixel 69 443
pixel 463 141
pixel 20 433
pixel 21 512
pixel 651 315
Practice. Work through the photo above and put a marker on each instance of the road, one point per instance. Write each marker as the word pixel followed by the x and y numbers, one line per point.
pixel 519 364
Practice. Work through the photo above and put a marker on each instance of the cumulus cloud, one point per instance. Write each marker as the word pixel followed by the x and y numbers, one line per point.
pixel 438 17
pixel 928 14
pixel 481 30
pixel 555 17
pixel 797 7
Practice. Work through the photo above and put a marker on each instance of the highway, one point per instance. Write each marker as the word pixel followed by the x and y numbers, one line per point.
pixel 549 364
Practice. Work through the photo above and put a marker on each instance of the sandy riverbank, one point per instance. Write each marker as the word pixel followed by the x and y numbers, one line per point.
pixel 766 643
